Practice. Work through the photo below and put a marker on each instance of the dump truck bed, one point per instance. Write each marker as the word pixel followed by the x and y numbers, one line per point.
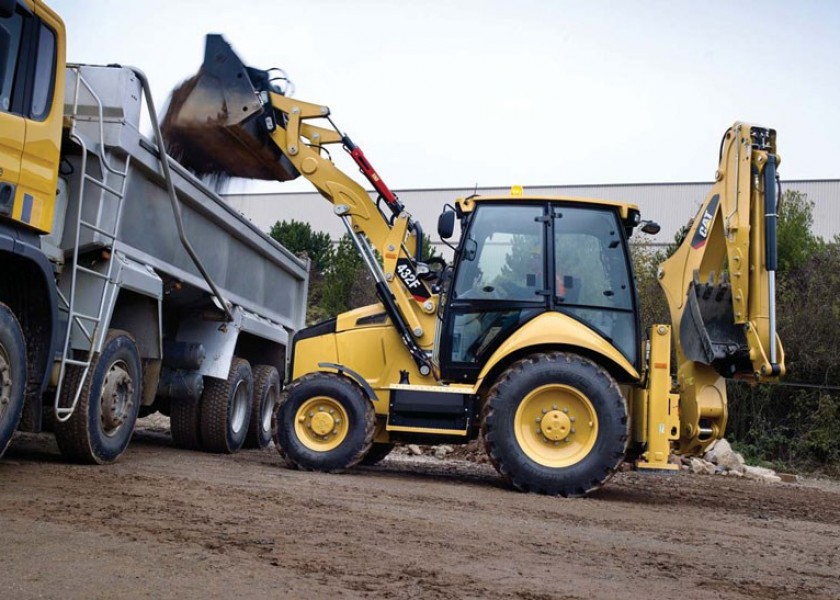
pixel 251 269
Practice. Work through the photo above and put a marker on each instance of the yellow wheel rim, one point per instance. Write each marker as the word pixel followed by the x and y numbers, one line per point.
pixel 321 424
pixel 556 425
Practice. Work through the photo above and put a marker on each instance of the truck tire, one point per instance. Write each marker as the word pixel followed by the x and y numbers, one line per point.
pixel 226 409
pixel 100 428
pixel 377 454
pixel 185 424
pixel 266 393
pixel 12 375
pixel 324 423
pixel 556 424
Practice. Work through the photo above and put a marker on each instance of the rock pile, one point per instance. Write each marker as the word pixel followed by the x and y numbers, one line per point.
pixel 721 459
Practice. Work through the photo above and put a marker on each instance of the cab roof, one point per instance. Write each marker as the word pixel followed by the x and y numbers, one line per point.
pixel 468 204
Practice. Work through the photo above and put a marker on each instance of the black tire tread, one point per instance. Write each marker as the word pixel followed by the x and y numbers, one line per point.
pixel 184 424
pixel 20 410
pixel 262 376
pixel 611 461
pixel 214 410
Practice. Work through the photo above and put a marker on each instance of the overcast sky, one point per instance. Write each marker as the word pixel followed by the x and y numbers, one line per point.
pixel 453 94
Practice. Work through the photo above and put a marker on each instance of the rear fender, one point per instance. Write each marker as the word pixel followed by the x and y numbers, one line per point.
pixel 553 330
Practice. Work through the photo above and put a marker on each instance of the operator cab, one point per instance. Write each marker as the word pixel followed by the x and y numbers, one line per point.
pixel 518 258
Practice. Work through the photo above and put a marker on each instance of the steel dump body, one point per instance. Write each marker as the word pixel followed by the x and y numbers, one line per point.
pixel 251 270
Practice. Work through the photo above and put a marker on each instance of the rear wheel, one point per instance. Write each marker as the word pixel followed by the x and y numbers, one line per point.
pixel 324 423
pixel 266 394
pixel 226 409
pixel 185 424
pixel 556 424
pixel 101 426
pixel 12 375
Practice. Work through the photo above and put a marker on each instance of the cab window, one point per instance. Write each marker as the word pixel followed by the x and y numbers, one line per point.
pixel 10 36
pixel 42 89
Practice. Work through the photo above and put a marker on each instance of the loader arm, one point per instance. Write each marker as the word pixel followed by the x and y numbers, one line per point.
pixel 720 286
pixel 234 120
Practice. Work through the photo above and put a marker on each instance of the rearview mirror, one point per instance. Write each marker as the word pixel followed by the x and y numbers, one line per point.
pixel 446 224
pixel 651 227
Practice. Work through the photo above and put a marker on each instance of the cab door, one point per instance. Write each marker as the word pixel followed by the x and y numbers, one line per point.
pixel 500 283
pixel 32 63
pixel 12 126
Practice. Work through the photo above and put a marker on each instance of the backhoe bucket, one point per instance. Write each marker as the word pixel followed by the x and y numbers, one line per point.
pixel 216 124
pixel 708 332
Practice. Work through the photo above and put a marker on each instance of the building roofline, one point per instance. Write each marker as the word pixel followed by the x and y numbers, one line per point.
pixel 534 187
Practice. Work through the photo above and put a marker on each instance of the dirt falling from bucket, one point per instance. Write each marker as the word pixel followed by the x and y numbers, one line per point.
pixel 214 150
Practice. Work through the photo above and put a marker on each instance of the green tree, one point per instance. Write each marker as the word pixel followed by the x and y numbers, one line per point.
pixel 347 284
pixel 300 238
pixel 796 242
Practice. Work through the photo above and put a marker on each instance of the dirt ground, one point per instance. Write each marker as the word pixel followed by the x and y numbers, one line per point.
pixel 167 523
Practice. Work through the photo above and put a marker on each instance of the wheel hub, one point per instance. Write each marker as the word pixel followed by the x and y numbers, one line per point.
pixel 321 423
pixel 555 425
pixel 117 398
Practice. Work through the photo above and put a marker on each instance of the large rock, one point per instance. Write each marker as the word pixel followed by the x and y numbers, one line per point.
pixel 761 474
pixel 723 455
pixel 698 465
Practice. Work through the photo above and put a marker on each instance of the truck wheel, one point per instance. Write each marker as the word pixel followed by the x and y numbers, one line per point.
pixel 100 428
pixel 185 424
pixel 12 375
pixel 556 424
pixel 266 393
pixel 377 454
pixel 324 423
pixel 226 409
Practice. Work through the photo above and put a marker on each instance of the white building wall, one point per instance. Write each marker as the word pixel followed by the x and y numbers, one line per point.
pixel 669 204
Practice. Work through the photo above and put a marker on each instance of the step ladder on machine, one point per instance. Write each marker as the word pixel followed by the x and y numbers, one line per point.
pixel 111 182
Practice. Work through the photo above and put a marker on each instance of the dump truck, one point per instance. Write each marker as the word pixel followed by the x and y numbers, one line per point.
pixel 530 336
pixel 128 286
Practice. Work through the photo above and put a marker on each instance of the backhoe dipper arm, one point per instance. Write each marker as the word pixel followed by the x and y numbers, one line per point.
pixel 720 285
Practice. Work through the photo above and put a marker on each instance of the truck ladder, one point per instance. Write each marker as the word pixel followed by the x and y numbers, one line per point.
pixel 88 324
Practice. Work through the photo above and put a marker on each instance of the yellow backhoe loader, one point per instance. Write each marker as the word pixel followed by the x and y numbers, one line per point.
pixel 531 336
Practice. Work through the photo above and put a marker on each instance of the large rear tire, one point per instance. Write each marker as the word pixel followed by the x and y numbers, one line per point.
pixel 324 423
pixel 12 375
pixel 226 409
pixel 100 428
pixel 376 454
pixel 556 424
pixel 185 424
pixel 266 394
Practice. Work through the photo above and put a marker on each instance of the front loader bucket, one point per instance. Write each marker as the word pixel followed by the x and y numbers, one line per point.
pixel 708 332
pixel 216 124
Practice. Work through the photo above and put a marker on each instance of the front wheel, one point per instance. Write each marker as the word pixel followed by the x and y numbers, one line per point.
pixel 100 427
pixel 324 423
pixel 556 423
pixel 12 375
